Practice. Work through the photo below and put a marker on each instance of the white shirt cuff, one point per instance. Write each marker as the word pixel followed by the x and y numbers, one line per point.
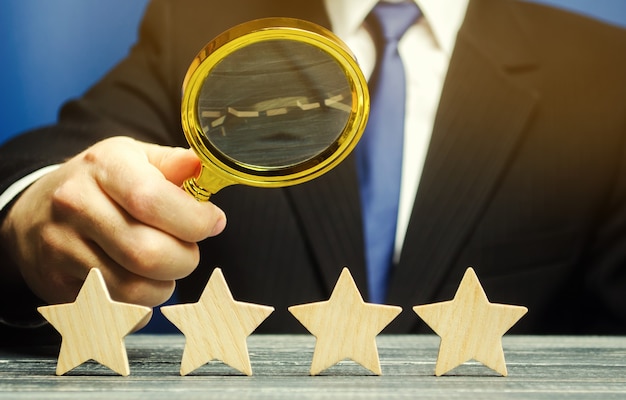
pixel 19 186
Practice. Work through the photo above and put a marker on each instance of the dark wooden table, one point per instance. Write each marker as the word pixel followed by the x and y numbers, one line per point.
pixel 539 367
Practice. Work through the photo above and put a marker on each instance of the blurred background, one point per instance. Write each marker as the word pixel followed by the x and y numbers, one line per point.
pixel 52 50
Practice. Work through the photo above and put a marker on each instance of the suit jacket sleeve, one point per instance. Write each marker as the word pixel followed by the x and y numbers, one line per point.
pixel 135 99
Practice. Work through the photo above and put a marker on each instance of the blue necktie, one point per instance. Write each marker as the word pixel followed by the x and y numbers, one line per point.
pixel 379 152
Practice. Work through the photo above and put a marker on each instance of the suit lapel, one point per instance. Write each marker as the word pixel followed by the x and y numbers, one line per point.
pixel 480 119
pixel 328 212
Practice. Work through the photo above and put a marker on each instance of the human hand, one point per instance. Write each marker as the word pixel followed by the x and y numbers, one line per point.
pixel 117 206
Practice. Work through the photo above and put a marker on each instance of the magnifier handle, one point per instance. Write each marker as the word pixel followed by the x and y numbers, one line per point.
pixel 205 184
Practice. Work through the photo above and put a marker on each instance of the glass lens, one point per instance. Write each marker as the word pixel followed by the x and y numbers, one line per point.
pixel 274 104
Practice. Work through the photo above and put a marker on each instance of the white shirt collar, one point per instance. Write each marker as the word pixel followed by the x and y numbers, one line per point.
pixel 443 16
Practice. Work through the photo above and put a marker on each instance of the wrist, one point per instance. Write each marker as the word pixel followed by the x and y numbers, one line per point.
pixel 18 304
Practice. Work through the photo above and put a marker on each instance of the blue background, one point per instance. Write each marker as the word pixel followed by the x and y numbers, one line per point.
pixel 53 50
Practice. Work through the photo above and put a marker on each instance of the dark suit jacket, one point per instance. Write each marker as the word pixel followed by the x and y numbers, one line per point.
pixel 525 177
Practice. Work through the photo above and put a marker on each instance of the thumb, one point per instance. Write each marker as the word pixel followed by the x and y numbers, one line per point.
pixel 175 163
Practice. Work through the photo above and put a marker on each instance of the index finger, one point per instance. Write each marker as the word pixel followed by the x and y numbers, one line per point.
pixel 134 175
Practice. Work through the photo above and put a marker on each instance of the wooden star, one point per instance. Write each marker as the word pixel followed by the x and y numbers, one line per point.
pixel 216 327
pixel 93 327
pixel 345 326
pixel 470 327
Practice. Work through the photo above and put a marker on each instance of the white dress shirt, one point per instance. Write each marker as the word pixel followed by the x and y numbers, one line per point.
pixel 425 50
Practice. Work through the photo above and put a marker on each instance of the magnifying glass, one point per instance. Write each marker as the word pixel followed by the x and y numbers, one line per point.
pixel 270 103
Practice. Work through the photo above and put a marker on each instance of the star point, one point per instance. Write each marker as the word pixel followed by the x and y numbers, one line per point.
pixel 345 326
pixel 93 327
pixel 470 327
pixel 216 327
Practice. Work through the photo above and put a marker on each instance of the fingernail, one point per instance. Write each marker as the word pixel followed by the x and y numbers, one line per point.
pixel 220 224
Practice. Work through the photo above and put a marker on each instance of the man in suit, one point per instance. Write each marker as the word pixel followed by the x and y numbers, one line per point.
pixel 524 179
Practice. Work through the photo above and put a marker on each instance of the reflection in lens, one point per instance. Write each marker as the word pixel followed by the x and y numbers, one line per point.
pixel 274 104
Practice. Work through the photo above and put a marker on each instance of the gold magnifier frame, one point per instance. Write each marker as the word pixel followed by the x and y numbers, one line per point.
pixel 227 67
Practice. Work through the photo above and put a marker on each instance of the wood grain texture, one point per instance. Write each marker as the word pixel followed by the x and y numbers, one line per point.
pixel 345 326
pixel 470 326
pixel 93 327
pixel 540 367
pixel 216 327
